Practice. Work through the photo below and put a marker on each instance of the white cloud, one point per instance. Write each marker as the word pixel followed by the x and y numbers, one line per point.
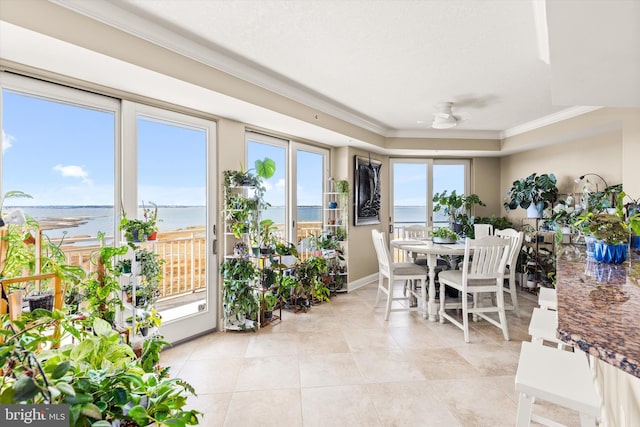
pixel 280 185
pixel 7 141
pixel 73 171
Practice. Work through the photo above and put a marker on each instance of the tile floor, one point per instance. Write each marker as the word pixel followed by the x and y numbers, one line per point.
pixel 341 364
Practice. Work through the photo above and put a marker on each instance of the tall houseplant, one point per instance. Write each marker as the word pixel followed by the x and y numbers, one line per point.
pixel 458 208
pixel 534 193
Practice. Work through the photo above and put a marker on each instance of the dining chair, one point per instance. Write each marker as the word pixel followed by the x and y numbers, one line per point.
pixel 482 230
pixel 516 238
pixel 419 232
pixel 480 274
pixel 407 272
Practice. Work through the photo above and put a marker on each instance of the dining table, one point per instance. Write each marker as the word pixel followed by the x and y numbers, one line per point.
pixel 432 251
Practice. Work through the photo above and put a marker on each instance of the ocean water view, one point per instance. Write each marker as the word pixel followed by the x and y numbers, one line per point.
pixel 87 221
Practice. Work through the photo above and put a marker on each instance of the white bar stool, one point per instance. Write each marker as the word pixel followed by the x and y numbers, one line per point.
pixel 548 298
pixel 543 327
pixel 560 377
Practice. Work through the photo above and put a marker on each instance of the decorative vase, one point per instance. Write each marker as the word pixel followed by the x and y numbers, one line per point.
pixel 610 254
pixel 533 212
pixel 333 205
pixel 153 236
pixel 590 241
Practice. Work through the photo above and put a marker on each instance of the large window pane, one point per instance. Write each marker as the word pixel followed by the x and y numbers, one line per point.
pixel 309 190
pixel 410 193
pixel 276 190
pixel 63 155
pixel 172 173
pixel 449 177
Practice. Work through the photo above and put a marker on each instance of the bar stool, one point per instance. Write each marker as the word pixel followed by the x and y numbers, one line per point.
pixel 559 377
pixel 548 299
pixel 543 326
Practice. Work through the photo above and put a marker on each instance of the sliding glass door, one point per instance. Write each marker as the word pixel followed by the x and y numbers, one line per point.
pixel 172 172
pixel 414 182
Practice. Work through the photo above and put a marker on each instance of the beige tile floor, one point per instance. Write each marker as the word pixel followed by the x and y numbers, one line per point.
pixel 341 364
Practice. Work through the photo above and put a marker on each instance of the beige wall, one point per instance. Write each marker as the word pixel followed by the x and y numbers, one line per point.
pixel 596 149
pixel 485 182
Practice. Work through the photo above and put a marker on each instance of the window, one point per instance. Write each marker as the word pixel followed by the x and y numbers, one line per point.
pixel 58 145
pixel 302 164
pixel 415 181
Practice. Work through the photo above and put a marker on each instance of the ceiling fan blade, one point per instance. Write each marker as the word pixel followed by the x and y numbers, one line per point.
pixel 462 116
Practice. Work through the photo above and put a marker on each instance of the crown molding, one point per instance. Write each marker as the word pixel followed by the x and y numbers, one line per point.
pixel 445 134
pixel 547 120
pixel 112 14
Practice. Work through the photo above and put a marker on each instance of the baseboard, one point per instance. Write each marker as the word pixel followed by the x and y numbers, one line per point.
pixel 352 286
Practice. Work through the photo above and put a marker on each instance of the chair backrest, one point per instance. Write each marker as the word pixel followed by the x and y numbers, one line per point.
pixel 485 258
pixel 482 230
pixel 416 231
pixel 516 238
pixel 382 252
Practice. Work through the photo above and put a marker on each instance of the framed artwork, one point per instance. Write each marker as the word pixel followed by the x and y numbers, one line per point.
pixel 367 191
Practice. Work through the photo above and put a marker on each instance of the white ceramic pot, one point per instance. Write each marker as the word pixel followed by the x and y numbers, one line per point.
pixel 533 212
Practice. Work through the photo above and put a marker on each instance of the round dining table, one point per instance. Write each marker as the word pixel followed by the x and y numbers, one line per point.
pixel 432 251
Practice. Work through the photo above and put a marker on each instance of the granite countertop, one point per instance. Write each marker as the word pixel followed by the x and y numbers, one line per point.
pixel 599 307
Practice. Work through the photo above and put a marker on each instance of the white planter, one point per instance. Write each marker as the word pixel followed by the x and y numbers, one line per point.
pixel 533 212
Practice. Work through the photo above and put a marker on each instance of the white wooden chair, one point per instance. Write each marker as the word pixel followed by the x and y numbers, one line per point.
pixel 557 376
pixel 516 238
pixel 484 273
pixel 482 230
pixel 419 232
pixel 390 272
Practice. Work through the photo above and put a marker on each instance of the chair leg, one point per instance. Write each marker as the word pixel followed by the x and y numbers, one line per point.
pixel 514 295
pixel 465 316
pixel 425 307
pixel 442 301
pixel 502 315
pixel 389 299
pixel 380 283
pixel 525 408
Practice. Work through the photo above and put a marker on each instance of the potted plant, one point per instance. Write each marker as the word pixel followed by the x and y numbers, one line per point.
pixel 102 287
pixel 107 386
pixel 240 304
pixel 457 207
pixel 309 274
pixel 444 235
pixel 139 230
pixel 534 193
pixel 270 300
pixel 264 168
pixel 288 253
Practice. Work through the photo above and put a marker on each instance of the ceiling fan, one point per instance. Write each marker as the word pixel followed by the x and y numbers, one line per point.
pixel 443 118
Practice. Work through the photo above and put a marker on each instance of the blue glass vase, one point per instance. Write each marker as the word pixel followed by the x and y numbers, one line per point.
pixel 610 254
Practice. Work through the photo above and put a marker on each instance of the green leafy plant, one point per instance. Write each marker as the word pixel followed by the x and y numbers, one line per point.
pixel 99 377
pixel 538 190
pixel 309 274
pixel 239 300
pixel 445 233
pixel 102 287
pixel 458 207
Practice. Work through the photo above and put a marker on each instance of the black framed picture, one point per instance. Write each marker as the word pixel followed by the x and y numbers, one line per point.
pixel 367 191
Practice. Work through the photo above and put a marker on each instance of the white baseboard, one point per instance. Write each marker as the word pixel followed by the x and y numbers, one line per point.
pixel 352 286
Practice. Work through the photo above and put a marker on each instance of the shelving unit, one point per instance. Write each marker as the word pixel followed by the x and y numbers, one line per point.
pixel 133 280
pixel 261 262
pixel 541 241
pixel 336 223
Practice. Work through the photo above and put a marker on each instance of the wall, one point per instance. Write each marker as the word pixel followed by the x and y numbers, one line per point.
pixel 596 149
pixel 485 182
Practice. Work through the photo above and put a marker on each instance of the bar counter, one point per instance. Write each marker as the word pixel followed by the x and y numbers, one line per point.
pixel 599 307
pixel 599 312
